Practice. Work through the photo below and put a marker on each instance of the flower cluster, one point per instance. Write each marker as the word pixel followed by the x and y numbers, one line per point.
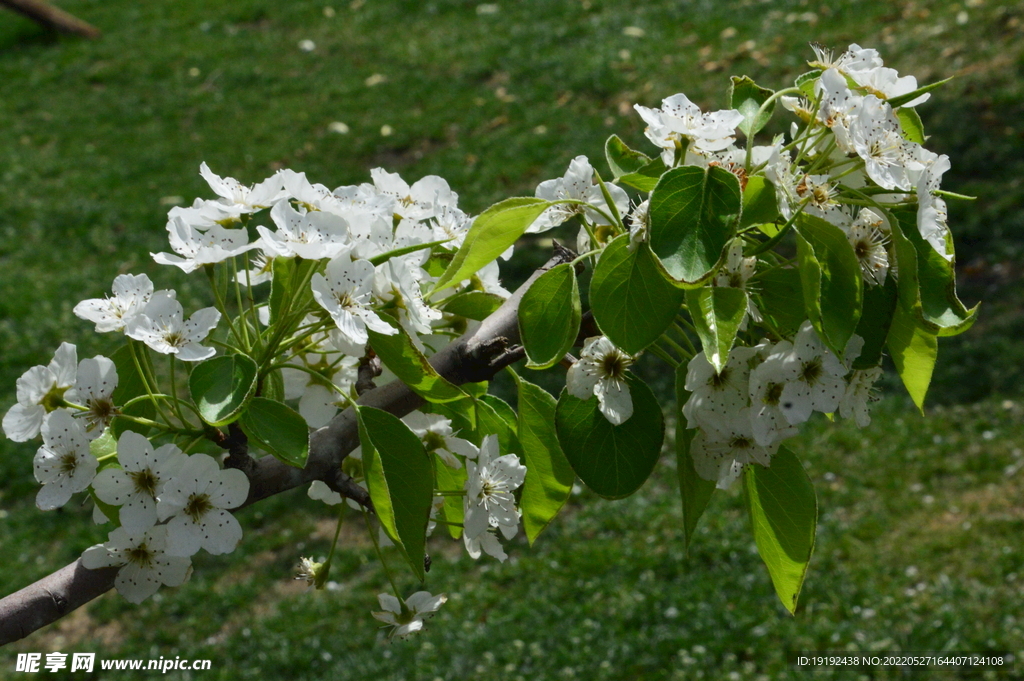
pixel 744 411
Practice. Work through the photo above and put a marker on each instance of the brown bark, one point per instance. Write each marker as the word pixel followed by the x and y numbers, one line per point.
pixel 474 357
pixel 52 17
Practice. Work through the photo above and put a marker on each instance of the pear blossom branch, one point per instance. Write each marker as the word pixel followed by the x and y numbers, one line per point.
pixel 476 356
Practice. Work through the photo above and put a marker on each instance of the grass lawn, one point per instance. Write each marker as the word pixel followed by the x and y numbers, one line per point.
pixel 920 519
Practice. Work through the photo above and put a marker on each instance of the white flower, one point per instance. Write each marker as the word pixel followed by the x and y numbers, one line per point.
pixel 240 197
pixel 485 542
pixel 719 455
pixel 195 248
pixel 204 214
pixel 319 396
pixel 577 184
pixel 407 617
pixel 926 171
pixel 838 107
pixel 162 326
pixel 858 393
pixel 345 293
pixel 601 371
pixel 63 464
pixel 436 433
pixel 142 475
pixel 146 562
pixel 131 293
pixel 768 380
pixel 736 273
pixel 680 119
pixel 716 397
pixel 639 226
pixel 195 501
pixel 312 235
pixel 41 390
pixel 450 223
pixel 875 134
pixel 314 196
pixel 262 270
pixel 489 485
pixel 418 202
pixel 818 381
pixel 395 282
pixel 94 388
pixel 311 572
pixel 867 236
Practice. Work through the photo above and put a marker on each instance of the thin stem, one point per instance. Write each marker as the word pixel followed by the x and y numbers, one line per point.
pixel 238 301
pixel 145 381
pixel 162 426
pixel 380 556
pixel 611 204
pixel 659 352
pixel 667 340
pixel 175 407
pixel 337 533
pixel 683 335
pixel 218 299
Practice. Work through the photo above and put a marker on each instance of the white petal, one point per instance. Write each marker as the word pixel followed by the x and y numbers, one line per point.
pixel 615 401
pixel 221 531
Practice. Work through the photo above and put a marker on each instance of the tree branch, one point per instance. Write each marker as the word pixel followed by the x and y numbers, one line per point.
pixel 474 357
pixel 51 17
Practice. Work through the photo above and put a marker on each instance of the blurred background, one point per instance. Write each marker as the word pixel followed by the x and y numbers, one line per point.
pixel 920 517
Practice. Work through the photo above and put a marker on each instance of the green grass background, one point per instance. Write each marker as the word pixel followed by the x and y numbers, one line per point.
pixel 920 518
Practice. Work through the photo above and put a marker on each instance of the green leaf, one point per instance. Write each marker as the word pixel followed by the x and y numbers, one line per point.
pixel 129 386
pixel 410 365
pixel 831 278
pixel 104 445
pixel 614 461
pixel 717 313
pixel 783 514
pixel 273 386
pixel 549 316
pixel 549 477
pixel 478 305
pixel 746 96
pixel 452 510
pixel 913 350
pixel 647 177
pixel 780 300
pixel 222 386
pixel 900 100
pixel 911 125
pixel 492 232
pixel 934 278
pixel 278 429
pixel 496 417
pixel 288 273
pixel 694 490
pixel 806 82
pixel 879 305
pixel 694 212
pixel 760 205
pixel 399 476
pixel 621 159
pixel 632 302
